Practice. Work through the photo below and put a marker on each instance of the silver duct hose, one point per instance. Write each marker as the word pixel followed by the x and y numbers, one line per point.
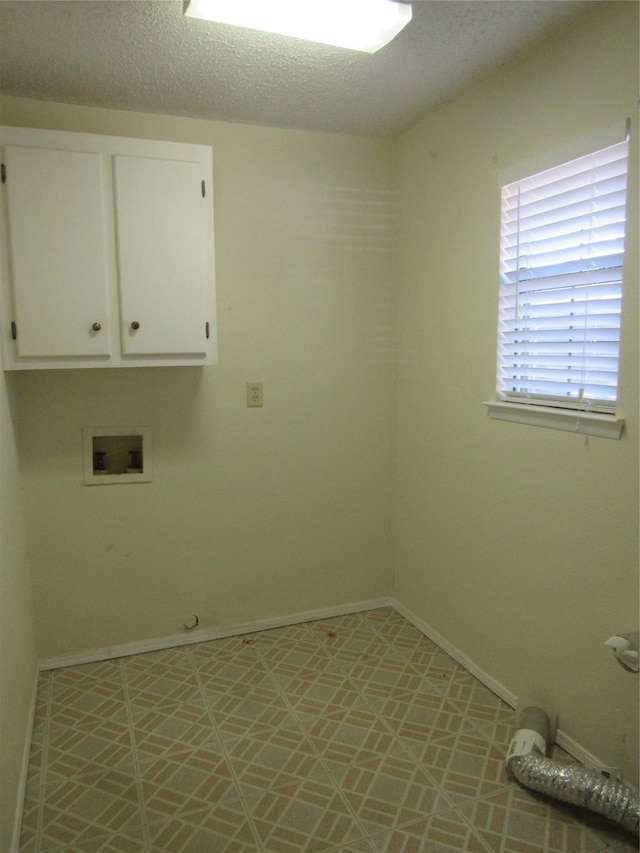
pixel 572 784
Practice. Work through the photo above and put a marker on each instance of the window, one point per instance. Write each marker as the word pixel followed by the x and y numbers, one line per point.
pixel 561 271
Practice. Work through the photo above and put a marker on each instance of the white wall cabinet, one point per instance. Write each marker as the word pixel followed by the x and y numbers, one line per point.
pixel 107 253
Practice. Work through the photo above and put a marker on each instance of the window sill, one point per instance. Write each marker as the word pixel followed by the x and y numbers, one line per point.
pixel 582 423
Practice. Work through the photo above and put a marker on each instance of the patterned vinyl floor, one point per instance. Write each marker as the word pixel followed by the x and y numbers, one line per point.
pixel 350 734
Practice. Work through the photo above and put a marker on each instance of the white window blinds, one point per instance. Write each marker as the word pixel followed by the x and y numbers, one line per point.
pixel 562 251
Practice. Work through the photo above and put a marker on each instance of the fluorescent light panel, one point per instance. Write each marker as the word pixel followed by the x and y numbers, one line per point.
pixel 365 25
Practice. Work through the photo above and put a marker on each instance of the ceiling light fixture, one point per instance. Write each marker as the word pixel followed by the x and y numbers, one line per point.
pixel 365 25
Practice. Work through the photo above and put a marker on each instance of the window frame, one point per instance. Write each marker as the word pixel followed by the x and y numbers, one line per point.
pixel 570 414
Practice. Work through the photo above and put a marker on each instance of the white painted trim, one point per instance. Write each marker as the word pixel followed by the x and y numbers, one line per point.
pixel 493 685
pixel 569 420
pixel 139 647
pixel 24 770
pixel 198 636
pixel 603 137
pixel 563 740
pixel 590 761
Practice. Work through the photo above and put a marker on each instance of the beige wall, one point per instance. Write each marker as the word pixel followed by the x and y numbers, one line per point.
pixel 17 637
pixel 252 513
pixel 518 544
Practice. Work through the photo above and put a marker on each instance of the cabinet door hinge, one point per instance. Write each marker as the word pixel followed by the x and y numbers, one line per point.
pixel 203 187
pixel 3 173
pixel 14 331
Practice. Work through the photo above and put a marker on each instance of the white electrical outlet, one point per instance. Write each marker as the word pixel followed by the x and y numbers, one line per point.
pixel 254 394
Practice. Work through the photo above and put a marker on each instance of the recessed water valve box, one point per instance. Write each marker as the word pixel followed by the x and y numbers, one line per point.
pixel 116 455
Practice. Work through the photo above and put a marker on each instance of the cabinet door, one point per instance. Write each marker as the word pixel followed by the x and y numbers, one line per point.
pixel 59 277
pixel 162 260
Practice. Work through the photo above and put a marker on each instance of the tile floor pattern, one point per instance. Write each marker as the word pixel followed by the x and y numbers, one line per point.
pixel 350 734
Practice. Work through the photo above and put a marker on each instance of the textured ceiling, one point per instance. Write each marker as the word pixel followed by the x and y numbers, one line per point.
pixel 145 55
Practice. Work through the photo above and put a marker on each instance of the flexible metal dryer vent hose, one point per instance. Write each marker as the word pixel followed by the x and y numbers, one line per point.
pixel 572 784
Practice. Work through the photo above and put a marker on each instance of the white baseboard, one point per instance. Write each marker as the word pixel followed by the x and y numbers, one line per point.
pixel 579 752
pixel 562 739
pixel 493 685
pixel 92 655
pixel 200 636
pixel 24 770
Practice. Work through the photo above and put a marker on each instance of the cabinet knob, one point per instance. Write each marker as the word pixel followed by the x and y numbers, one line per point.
pixel 135 325
pixel 96 327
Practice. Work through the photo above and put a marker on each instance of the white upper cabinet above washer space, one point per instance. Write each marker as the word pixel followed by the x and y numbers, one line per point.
pixel 59 262
pixel 107 251
pixel 161 254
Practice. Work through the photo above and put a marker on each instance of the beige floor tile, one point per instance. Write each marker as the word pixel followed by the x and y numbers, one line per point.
pixel 88 745
pixel 87 693
pixel 227 670
pixel 516 821
pixel 273 758
pixel 86 807
pixel 314 694
pixel 157 677
pixel 465 766
pixel 351 737
pixel 287 661
pixel 446 832
pixel 476 701
pixel 108 673
pixel 390 791
pixel 221 828
pixel 416 718
pixel 500 732
pixel 247 709
pixel 608 834
pixel 133 841
pixel 622 847
pixel 385 675
pixel 31 820
pixel 224 647
pixel 303 818
pixel 349 644
pixel 355 734
pixel 171 726
pixel 434 662
pixel 401 633
pixel 181 782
